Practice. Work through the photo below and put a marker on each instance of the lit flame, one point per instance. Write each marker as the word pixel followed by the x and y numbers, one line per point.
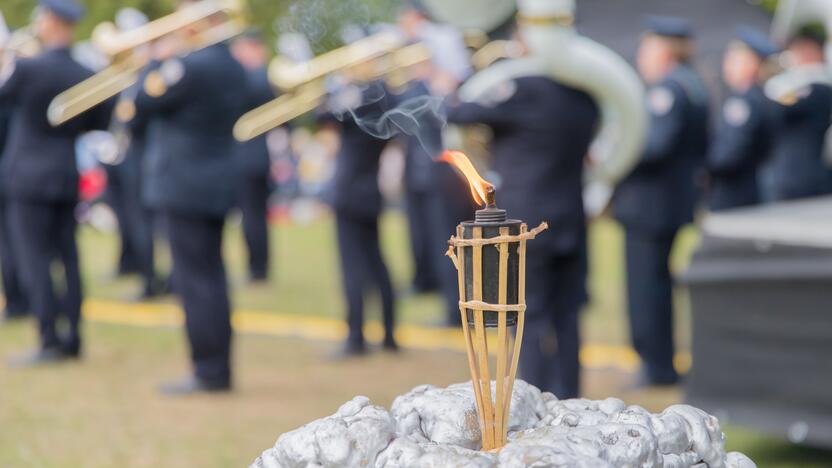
pixel 481 190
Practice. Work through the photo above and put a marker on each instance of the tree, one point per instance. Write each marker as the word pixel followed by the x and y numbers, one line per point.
pixel 320 20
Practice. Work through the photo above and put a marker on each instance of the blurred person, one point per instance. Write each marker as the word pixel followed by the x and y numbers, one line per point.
pixel 660 194
pixel 542 130
pixel 118 194
pixel 746 124
pixel 358 203
pixel 418 188
pixel 191 104
pixel 136 222
pixel 795 168
pixel 16 302
pixel 252 158
pixel 40 180
pixel 435 197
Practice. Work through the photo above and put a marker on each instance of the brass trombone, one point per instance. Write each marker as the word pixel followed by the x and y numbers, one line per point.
pixel 127 61
pixel 380 56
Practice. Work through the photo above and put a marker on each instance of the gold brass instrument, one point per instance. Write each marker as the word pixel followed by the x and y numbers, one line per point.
pixel 380 56
pixel 127 59
pixel 496 50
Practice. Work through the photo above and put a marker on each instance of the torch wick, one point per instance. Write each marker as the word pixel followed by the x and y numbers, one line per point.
pixel 490 197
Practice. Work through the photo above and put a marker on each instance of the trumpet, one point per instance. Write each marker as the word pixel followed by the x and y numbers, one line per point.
pixel 127 59
pixel 380 56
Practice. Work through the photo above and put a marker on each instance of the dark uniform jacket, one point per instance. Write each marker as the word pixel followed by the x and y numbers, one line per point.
pixel 795 168
pixel 541 133
pixel 355 189
pixel 741 144
pixel 661 193
pixel 189 162
pixel 253 156
pixel 39 160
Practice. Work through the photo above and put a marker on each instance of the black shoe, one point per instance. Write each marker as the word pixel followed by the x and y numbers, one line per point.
pixel 349 350
pixel 193 386
pixel 644 381
pixel 257 278
pixel 150 291
pixel 71 350
pixel 41 357
pixel 389 345
pixel 14 313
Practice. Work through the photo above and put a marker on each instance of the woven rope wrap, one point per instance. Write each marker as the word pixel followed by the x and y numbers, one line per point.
pixel 456 241
pixel 479 305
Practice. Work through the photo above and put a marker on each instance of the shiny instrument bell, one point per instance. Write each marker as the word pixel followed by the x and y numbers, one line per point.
pixel 558 51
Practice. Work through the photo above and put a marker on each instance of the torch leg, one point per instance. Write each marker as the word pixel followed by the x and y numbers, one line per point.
pixel 521 315
pixel 466 331
pixel 500 402
pixel 488 441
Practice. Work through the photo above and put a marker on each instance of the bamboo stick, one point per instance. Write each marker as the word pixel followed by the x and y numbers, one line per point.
pixel 521 315
pixel 466 331
pixel 482 342
pixel 501 342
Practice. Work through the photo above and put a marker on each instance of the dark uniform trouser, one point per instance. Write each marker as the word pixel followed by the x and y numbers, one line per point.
pixel 44 232
pixel 445 216
pixel 138 232
pixel 196 247
pixel 555 293
pixel 362 266
pixel 16 301
pixel 117 197
pixel 253 201
pixel 419 218
pixel 650 301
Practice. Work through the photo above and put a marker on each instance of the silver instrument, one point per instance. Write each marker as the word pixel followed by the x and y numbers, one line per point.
pixel 558 51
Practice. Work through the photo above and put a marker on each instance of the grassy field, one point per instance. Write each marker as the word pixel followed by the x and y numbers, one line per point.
pixel 105 411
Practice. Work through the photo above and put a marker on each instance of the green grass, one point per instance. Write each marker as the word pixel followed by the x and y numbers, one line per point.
pixel 105 412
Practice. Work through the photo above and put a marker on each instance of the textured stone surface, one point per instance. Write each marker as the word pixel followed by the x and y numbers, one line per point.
pixel 449 415
pixel 353 436
pixel 437 427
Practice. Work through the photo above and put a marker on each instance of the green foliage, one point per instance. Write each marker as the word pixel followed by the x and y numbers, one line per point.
pixel 321 20
pixel 769 5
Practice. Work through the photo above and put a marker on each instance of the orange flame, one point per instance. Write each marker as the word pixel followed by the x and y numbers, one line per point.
pixel 481 190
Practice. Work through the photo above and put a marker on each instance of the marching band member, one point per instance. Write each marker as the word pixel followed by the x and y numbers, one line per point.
pixel 358 203
pixel 795 168
pixel 253 161
pixel 15 297
pixel 435 196
pixel 659 196
pixel 40 180
pixel 542 132
pixel 746 125
pixel 138 222
pixel 191 104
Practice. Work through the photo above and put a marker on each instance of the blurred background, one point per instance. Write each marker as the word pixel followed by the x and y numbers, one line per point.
pixel 108 413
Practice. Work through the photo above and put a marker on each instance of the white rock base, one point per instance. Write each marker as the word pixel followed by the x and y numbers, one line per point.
pixel 437 427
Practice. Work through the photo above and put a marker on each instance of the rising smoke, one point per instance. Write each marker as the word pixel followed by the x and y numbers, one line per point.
pixel 376 110
pixel 421 117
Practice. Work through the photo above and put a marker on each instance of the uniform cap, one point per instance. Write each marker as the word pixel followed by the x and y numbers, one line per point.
pixel 758 42
pixel 669 26
pixel 67 10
